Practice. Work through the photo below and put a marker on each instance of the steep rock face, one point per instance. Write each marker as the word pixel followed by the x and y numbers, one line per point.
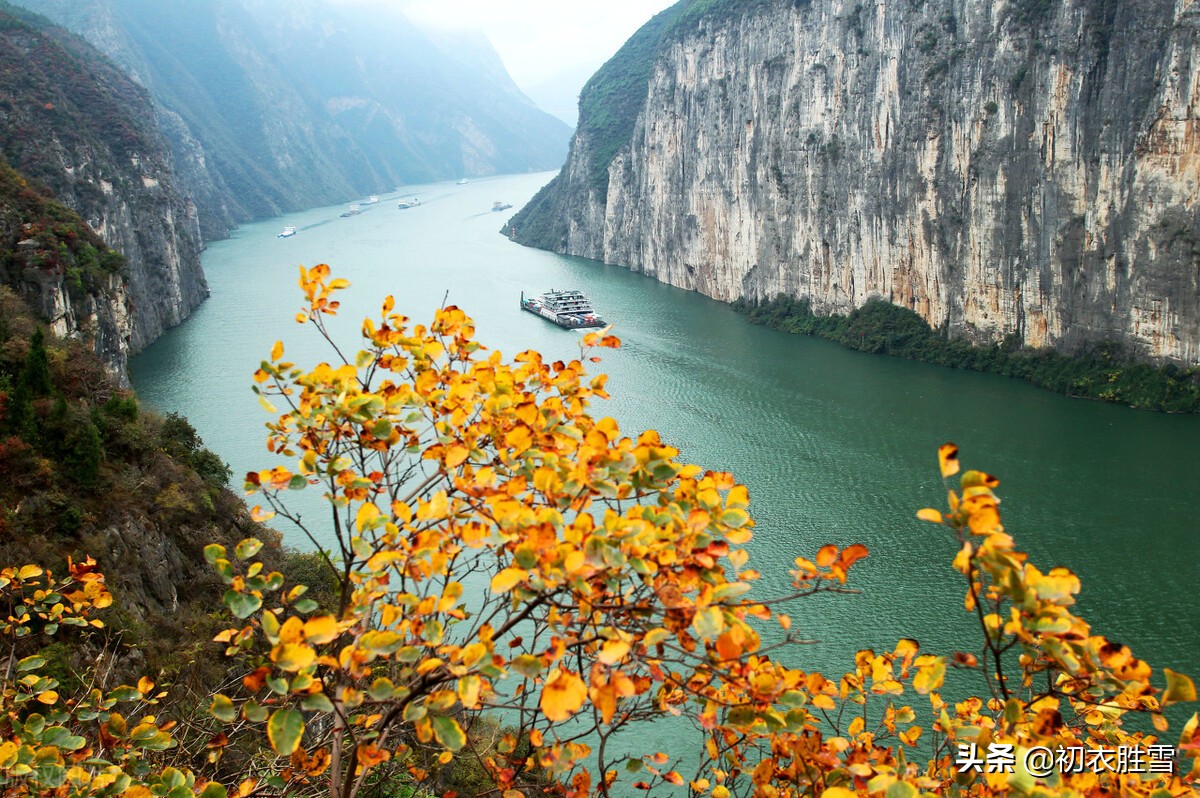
pixel 72 122
pixel 273 106
pixel 1003 168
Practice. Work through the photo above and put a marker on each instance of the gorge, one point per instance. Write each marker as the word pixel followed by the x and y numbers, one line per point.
pixel 1009 169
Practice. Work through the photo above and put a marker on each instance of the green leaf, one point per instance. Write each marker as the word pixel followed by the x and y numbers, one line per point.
pixel 213 790
pixel 213 552
pixel 730 590
pixel 527 665
pixel 709 623
pixel 305 605
pixel 634 765
pixel 297 482
pixel 317 702
pixel 248 548
pixel 254 712
pixel 448 732
pixel 62 739
pixel 900 789
pixel 125 693
pixel 224 569
pixel 1179 688
pixel 30 664
pixel 284 730
pixel 242 605
pixel 222 709
pixel 381 689
pixel 34 725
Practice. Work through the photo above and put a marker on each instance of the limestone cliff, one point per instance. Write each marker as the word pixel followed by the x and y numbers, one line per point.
pixel 1002 167
pixel 74 124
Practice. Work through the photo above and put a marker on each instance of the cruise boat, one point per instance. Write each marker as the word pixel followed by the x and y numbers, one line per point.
pixel 374 198
pixel 462 182
pixel 569 309
pixel 355 210
pixel 408 202
pixel 501 206
pixel 288 232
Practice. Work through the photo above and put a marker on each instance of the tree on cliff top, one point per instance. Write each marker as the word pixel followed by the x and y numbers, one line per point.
pixel 518 583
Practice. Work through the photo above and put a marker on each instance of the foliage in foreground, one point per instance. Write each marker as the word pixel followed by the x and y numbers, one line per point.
pixel 1105 372
pixel 500 553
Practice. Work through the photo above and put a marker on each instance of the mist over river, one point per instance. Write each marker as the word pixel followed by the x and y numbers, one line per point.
pixel 835 446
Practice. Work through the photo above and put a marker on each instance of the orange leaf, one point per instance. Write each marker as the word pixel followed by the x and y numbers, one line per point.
pixel 563 695
pixel 930 515
pixel 852 554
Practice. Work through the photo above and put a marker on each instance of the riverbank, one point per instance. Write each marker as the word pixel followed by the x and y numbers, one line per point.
pixel 1106 372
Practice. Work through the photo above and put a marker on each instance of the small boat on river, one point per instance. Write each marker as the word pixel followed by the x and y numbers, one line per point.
pixel 501 206
pixel 288 232
pixel 569 309
pixel 408 202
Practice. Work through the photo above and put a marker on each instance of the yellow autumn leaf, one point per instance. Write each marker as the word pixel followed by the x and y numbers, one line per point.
pixel 277 350
pixel 507 579
pixel 321 629
pixel 563 695
pixel 293 656
pixel 457 455
pixel 948 459
pixel 613 652
pixel 367 514
pixel 930 515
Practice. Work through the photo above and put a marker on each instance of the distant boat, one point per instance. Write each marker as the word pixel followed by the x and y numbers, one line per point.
pixel 569 309
pixel 374 198
pixel 408 202
pixel 463 182
pixel 501 206
pixel 355 210
pixel 288 232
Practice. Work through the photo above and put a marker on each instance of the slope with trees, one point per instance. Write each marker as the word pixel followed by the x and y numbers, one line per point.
pixel 517 583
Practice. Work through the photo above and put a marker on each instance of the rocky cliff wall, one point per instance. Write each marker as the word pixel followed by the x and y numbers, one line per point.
pixel 71 122
pixel 1002 167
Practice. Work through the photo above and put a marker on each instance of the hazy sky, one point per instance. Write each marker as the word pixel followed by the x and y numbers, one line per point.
pixel 549 46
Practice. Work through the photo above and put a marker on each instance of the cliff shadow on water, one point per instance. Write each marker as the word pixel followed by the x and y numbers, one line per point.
pixel 1107 371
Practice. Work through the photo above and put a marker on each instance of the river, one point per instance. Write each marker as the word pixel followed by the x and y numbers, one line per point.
pixel 835 446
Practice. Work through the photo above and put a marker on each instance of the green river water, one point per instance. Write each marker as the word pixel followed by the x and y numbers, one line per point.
pixel 835 446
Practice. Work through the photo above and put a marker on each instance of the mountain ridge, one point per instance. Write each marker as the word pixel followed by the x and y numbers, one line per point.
pixel 273 107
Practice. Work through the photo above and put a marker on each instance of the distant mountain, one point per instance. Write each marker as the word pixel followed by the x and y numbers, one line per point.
pixel 273 106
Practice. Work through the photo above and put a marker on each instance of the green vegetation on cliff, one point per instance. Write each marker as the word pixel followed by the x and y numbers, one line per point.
pixel 40 234
pixel 1105 371
pixel 612 99
pixel 83 470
